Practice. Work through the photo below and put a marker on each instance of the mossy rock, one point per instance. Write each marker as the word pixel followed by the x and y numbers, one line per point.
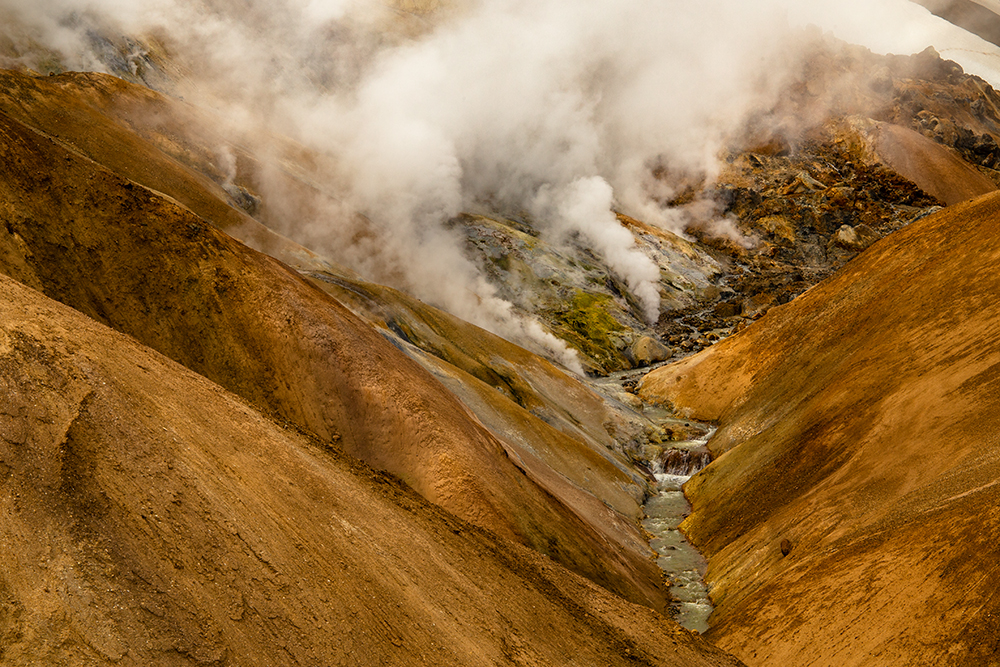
pixel 588 326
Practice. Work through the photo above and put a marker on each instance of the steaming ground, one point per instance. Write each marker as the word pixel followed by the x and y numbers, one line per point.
pixel 556 112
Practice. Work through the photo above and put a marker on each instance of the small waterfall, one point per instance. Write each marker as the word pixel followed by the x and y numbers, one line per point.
pixel 682 462
pixel 673 464
pixel 664 513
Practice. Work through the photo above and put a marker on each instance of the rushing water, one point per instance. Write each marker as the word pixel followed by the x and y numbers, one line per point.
pixel 665 511
pixel 680 561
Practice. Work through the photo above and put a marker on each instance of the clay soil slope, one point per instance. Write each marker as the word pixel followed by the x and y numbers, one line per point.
pixel 148 138
pixel 138 261
pixel 152 518
pixel 860 422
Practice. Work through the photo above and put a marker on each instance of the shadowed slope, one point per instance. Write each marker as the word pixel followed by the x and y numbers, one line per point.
pixel 138 134
pixel 171 147
pixel 152 518
pixel 531 386
pixel 969 14
pixel 137 261
pixel 166 145
pixel 552 426
pixel 861 422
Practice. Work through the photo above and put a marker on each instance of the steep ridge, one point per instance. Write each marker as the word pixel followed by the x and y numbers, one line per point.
pixel 523 399
pixel 937 170
pixel 152 518
pixel 153 140
pixel 134 259
pixel 858 434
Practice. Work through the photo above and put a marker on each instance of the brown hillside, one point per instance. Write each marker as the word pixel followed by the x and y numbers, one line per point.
pixel 137 261
pixel 937 170
pixel 859 422
pixel 519 396
pixel 142 135
pixel 152 518
pixel 166 145
pixel 551 424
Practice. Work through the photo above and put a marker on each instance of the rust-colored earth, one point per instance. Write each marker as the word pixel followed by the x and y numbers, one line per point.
pixel 144 265
pixel 859 422
pixel 153 518
pixel 280 463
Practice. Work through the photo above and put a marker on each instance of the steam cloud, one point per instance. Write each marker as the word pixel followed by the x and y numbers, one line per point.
pixel 556 109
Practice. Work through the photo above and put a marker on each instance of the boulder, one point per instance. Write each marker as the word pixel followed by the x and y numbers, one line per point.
pixel 726 309
pixel 631 400
pixel 854 238
pixel 647 350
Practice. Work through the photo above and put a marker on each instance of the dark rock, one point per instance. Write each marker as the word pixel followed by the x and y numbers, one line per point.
pixel 682 461
pixel 786 547
pixel 726 309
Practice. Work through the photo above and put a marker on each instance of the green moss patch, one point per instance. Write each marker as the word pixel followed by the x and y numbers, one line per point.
pixel 587 326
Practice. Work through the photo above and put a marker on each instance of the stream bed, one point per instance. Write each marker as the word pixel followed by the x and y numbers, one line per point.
pixel 682 563
pixel 673 462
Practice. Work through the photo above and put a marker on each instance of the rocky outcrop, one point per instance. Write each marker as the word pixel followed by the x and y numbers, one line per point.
pixel 576 296
pixel 858 423
pixel 858 146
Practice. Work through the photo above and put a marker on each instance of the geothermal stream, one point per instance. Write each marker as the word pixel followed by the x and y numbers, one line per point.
pixel 673 465
pixel 665 511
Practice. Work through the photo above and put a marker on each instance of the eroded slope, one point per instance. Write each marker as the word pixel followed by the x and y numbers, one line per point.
pixel 133 259
pixel 859 422
pixel 152 518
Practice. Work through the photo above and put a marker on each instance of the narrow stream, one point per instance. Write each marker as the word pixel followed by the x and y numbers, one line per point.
pixel 665 511
pixel 674 464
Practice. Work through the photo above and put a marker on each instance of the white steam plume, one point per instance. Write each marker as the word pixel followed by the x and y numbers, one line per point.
pixel 584 208
pixel 559 109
